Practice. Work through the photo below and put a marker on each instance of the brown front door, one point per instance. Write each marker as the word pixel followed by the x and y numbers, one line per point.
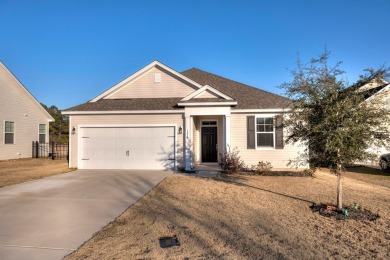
pixel 209 144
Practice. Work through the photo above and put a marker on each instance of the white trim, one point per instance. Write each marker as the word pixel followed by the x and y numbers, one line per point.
pixel 122 126
pixel 70 144
pixel 178 111
pixel 140 72
pixel 202 90
pixel 115 112
pixel 386 88
pixel 188 139
pixel 4 132
pixel 200 104
pixel 262 110
pixel 200 136
pixel 50 118
pixel 274 134
pixel 46 132
pixel 227 131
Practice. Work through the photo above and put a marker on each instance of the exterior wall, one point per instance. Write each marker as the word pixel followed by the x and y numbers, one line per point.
pixel 197 135
pixel 380 99
pixel 76 120
pixel 145 87
pixel 18 106
pixel 278 157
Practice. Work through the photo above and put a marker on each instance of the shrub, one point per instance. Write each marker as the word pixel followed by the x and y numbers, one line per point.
pixel 262 167
pixel 230 161
pixel 308 172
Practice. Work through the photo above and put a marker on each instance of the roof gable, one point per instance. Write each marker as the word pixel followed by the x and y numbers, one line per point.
pixel 16 92
pixel 153 81
pixel 206 92
pixel 247 97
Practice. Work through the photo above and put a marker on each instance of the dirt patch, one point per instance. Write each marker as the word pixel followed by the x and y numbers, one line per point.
pixel 245 217
pixel 22 170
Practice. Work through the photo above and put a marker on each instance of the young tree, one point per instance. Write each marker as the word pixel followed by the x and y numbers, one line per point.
pixel 59 129
pixel 333 118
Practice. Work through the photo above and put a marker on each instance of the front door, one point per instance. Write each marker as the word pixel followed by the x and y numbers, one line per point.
pixel 209 144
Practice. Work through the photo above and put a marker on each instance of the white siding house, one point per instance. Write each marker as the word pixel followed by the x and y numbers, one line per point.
pixel 22 118
pixel 159 118
pixel 378 92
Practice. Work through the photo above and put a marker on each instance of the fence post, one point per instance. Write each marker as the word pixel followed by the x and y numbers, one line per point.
pixel 52 150
pixel 36 149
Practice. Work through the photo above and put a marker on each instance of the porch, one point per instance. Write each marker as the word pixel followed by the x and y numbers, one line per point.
pixel 205 138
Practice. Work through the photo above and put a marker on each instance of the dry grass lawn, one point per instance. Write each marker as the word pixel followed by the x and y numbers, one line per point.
pixel 370 175
pixel 246 217
pixel 22 170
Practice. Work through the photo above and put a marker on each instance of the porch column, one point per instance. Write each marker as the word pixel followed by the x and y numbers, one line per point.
pixel 227 131
pixel 188 137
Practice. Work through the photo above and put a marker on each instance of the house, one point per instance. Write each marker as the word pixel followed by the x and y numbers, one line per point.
pixel 159 118
pixel 22 118
pixel 378 92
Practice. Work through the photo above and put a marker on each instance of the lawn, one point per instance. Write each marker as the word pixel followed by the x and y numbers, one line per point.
pixel 22 170
pixel 246 217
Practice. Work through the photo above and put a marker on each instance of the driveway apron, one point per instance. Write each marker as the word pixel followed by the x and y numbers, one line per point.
pixel 51 217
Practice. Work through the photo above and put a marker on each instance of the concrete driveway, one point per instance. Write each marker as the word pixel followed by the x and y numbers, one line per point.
pixel 51 217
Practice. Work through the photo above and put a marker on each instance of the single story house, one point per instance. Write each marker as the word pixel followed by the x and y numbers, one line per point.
pixel 159 118
pixel 23 119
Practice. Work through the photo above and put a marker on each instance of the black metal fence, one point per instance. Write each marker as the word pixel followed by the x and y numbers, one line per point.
pixel 50 150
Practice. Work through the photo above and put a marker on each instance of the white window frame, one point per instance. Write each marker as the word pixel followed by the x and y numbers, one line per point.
pixel 5 132
pixel 39 133
pixel 273 132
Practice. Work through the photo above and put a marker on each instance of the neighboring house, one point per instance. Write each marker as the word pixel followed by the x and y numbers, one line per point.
pixel 22 118
pixel 378 91
pixel 159 118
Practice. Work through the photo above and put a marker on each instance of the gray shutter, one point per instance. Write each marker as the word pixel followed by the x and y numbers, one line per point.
pixel 250 135
pixel 279 132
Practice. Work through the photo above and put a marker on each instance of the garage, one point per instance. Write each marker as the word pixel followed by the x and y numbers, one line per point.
pixel 135 147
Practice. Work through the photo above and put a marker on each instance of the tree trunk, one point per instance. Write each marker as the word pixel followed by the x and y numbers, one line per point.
pixel 339 189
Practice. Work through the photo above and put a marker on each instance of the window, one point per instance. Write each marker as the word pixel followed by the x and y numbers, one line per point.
pixel 9 132
pixel 42 133
pixel 212 123
pixel 265 131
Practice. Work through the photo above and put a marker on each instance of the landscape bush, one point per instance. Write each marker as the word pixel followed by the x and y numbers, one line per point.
pixel 230 162
pixel 262 167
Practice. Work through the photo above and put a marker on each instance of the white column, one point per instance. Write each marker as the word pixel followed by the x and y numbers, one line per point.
pixel 227 131
pixel 188 143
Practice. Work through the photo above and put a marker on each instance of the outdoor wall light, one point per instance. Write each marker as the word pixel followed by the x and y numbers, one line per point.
pixel 73 131
pixel 180 130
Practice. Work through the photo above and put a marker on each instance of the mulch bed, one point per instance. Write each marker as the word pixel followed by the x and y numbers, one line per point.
pixel 348 212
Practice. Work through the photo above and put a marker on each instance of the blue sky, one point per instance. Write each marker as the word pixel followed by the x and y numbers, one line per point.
pixel 68 52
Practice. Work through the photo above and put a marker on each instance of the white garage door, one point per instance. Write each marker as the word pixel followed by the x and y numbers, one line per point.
pixel 127 148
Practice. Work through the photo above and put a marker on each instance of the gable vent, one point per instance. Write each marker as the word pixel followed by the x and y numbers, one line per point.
pixel 157 78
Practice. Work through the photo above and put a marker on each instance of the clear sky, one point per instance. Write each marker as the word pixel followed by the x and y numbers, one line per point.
pixel 68 52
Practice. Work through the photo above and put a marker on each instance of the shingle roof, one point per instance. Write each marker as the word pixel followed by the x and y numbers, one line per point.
pixel 246 96
pixel 129 104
